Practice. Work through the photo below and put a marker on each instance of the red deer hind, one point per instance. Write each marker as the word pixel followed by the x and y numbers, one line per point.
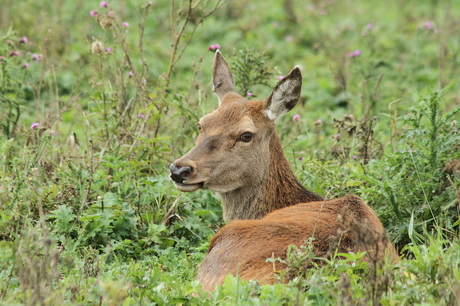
pixel 238 155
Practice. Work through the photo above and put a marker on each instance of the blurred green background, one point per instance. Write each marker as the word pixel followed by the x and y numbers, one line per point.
pixel 117 89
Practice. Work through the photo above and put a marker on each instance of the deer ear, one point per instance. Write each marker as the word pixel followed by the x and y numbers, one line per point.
pixel 285 95
pixel 222 77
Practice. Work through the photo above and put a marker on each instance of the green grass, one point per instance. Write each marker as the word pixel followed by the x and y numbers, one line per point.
pixel 88 214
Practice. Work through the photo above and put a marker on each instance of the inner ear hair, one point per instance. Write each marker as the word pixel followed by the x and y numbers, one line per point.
pixel 285 95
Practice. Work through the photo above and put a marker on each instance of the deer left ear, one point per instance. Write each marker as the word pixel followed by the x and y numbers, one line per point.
pixel 285 95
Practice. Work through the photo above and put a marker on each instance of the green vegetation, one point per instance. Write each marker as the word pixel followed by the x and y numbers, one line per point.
pixel 93 109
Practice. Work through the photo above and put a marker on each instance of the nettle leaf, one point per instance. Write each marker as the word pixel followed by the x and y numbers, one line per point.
pixel 64 216
pixel 125 223
pixel 155 232
pixel 97 224
pixel 111 199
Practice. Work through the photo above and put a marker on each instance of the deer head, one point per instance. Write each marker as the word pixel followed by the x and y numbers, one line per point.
pixel 234 149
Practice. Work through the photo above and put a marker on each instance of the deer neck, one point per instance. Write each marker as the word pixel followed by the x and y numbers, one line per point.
pixel 280 188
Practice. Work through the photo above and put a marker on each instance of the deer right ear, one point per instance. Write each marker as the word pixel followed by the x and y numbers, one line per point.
pixel 222 78
pixel 285 95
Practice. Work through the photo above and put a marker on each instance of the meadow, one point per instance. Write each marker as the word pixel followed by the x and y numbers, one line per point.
pixel 98 98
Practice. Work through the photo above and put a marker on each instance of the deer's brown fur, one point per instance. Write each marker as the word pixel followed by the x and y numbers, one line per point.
pixel 269 207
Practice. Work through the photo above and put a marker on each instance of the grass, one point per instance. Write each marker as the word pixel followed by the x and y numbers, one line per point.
pixel 88 214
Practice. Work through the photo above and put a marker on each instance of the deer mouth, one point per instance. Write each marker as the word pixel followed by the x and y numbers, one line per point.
pixel 189 187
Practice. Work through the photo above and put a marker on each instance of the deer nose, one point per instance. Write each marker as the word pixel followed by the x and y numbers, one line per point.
pixel 179 175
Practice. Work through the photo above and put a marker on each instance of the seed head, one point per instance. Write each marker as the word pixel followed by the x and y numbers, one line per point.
pixel 97 47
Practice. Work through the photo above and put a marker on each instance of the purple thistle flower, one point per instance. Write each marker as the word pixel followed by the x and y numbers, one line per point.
pixel 35 57
pixel 26 65
pixel 249 94
pixel 133 154
pixel 103 4
pixel 1 57
pixel 214 47
pixel 34 125
pixel 150 3
pixel 296 116
pixel 131 73
pixel 13 53
pixel 145 81
pixel 280 77
pixel 355 157
pixel 318 122
pixel 111 13
pixel 24 40
pixel 52 132
pixel 369 26
pixel 93 13
pixel 338 136
pixel 355 53
pixel 427 25
pixel 140 116
pixel 8 41
pixel 108 49
pixel 125 24
pixel 288 38
pixel 302 158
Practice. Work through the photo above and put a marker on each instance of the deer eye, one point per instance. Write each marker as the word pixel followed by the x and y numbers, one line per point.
pixel 246 137
pixel 198 126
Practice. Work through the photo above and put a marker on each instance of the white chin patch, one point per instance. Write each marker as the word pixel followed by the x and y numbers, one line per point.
pixel 188 187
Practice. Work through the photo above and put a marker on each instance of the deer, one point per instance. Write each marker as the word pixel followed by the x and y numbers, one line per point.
pixel 238 156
